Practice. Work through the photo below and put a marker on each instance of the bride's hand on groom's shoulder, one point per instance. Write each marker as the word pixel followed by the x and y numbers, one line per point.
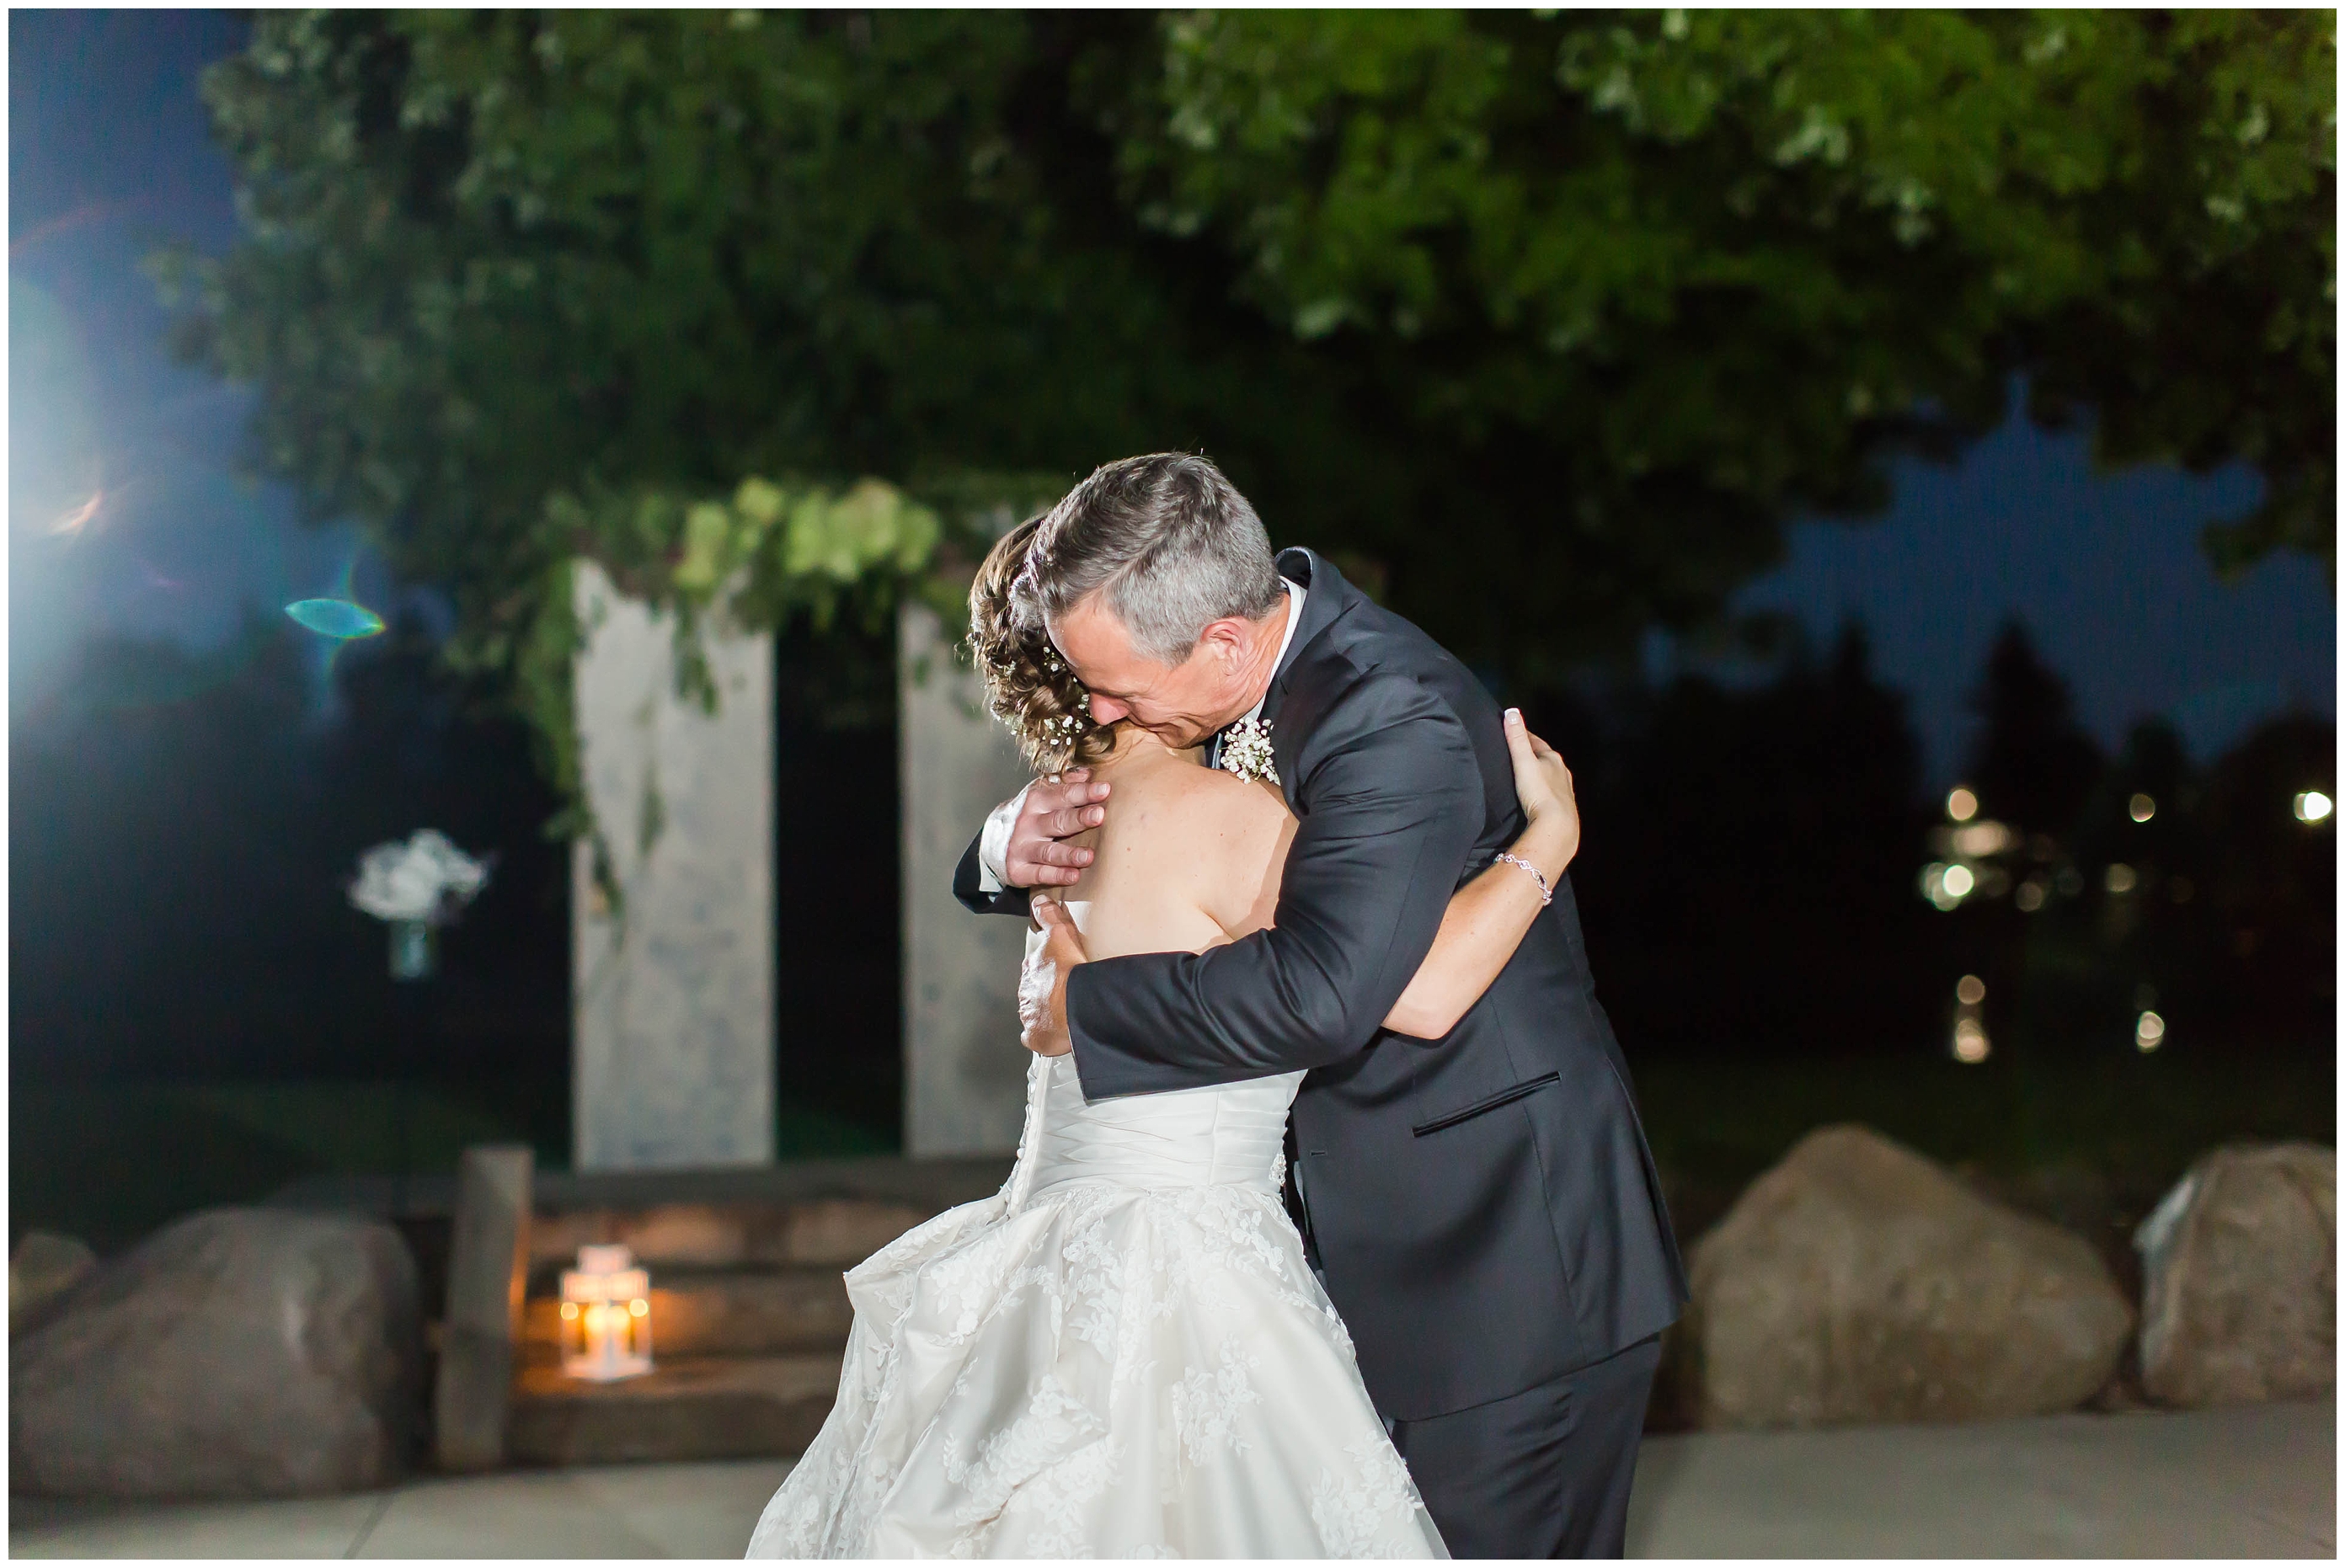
pixel 1543 784
pixel 1042 982
pixel 1055 808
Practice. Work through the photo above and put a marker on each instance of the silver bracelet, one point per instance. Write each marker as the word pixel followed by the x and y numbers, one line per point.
pixel 1547 894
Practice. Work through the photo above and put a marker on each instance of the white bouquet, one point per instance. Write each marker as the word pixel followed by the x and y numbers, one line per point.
pixel 427 879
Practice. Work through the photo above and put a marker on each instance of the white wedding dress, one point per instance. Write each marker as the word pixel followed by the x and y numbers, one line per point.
pixel 1121 1354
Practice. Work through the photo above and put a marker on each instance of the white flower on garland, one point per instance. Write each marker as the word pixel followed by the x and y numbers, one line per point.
pixel 1245 751
pixel 426 878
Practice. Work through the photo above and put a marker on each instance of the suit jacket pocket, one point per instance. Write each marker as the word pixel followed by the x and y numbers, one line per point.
pixel 1504 1097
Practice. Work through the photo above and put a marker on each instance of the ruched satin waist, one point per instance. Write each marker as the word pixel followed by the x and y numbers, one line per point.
pixel 1220 1135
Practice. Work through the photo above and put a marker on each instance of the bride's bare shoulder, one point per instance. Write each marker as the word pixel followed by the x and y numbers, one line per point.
pixel 1149 780
pixel 1182 843
pixel 1166 804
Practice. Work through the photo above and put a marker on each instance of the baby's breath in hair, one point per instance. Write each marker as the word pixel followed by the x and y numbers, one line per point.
pixel 1028 686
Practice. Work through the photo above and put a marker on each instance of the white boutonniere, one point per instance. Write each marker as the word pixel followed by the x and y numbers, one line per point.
pixel 1245 752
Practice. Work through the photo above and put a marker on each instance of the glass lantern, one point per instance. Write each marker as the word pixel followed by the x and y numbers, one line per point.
pixel 606 1316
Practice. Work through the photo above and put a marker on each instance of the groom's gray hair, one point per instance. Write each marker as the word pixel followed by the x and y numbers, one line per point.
pixel 1166 538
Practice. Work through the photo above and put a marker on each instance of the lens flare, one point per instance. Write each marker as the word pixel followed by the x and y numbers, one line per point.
pixel 74 521
pixel 339 619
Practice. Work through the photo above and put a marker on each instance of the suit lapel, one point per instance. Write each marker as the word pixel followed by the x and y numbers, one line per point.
pixel 1326 599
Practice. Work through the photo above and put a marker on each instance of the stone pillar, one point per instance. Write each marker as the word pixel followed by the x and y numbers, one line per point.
pixel 488 1269
pixel 671 989
pixel 964 1072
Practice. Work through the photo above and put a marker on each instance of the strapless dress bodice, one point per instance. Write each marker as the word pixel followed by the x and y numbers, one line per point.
pixel 1217 1135
pixel 1220 1135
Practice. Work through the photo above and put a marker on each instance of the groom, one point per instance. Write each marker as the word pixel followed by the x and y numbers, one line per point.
pixel 1483 1207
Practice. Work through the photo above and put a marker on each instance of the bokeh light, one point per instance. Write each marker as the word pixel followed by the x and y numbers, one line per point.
pixel 2312 805
pixel 1962 805
pixel 1970 990
pixel 1970 1041
pixel 1939 890
pixel 2120 878
pixel 1977 840
pixel 2141 808
pixel 2148 1032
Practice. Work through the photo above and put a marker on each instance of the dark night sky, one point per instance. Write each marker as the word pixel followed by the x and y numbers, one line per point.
pixel 108 154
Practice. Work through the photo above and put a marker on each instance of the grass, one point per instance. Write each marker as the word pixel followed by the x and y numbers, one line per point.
pixel 2129 1123
pixel 2132 1117
pixel 109 1162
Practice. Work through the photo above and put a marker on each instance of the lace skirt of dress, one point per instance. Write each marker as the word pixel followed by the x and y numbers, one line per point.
pixel 1100 1372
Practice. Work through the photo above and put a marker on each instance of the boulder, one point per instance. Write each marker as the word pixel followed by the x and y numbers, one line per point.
pixel 41 1270
pixel 1858 1281
pixel 240 1352
pixel 2239 1278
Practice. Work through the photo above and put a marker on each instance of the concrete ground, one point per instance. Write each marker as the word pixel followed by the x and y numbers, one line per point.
pixel 2255 1481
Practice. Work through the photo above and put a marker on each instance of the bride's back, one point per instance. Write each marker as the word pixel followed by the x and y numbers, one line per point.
pixel 1189 858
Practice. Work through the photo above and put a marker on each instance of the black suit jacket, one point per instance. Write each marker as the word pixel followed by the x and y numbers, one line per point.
pixel 1484 1206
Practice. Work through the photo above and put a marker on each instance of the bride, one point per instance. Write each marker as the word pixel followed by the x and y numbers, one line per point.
pixel 1124 1353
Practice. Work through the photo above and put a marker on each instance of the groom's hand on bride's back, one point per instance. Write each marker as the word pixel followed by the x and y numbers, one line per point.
pixel 1042 982
pixel 1055 808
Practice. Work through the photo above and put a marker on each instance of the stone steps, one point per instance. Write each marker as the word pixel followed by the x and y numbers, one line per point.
pixel 749 1319
pixel 826 1233
pixel 710 1407
pixel 720 1312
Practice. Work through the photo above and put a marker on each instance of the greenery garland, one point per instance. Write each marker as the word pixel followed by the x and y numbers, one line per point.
pixel 770 553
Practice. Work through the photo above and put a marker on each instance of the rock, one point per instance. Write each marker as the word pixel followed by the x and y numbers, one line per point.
pixel 240 1352
pixel 1858 1281
pixel 42 1271
pixel 2239 1278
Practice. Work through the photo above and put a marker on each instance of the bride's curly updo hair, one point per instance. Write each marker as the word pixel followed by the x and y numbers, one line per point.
pixel 1027 685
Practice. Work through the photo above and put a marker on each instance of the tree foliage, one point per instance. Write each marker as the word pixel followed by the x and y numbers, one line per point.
pixel 1736 250
pixel 1549 323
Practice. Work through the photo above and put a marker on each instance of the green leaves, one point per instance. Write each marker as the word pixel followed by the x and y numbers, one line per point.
pixel 1605 297
pixel 1772 239
pixel 768 553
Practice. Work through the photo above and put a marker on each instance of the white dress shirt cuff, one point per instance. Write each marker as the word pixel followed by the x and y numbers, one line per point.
pixel 993 845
